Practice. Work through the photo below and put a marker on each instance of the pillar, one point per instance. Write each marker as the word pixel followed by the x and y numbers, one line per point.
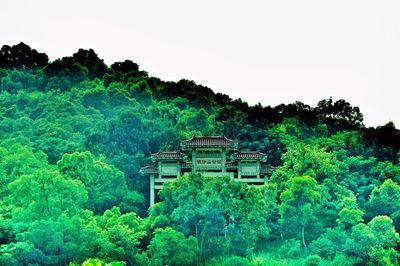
pixel 240 170
pixel 152 190
pixel 224 160
pixel 194 161
pixel 159 169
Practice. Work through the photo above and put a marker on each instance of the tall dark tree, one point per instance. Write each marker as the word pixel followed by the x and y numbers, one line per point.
pixel 339 115
pixel 386 139
pixel 21 56
pixel 89 59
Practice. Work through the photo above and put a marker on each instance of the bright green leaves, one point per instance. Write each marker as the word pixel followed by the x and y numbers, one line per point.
pixel 196 122
pixel 16 161
pixel 299 205
pixel 300 191
pixel 350 217
pixel 14 253
pixel 170 247
pixel 329 244
pixel 105 184
pixel 42 216
pixel 224 215
pixel 306 160
pixel 329 182
pixel 33 189
pixel 98 262
pixel 45 193
pixel 375 241
pixel 385 199
pixel 384 232
pixel 350 214
pixel 124 231
pixel 57 241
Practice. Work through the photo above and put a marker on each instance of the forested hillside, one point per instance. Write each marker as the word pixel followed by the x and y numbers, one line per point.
pixel 74 133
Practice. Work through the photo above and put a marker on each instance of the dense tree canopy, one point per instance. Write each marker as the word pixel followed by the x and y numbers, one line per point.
pixel 74 133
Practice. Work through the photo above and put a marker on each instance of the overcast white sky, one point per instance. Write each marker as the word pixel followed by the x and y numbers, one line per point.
pixel 261 51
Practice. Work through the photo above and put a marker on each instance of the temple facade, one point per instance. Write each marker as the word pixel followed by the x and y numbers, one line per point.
pixel 211 156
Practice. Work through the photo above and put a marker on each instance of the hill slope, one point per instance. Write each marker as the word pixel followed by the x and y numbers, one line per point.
pixel 74 133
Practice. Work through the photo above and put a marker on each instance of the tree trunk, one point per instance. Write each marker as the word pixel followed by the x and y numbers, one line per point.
pixel 198 244
pixel 302 237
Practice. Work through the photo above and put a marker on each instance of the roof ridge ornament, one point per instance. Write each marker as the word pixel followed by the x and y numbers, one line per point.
pixel 168 155
pixel 218 141
pixel 249 155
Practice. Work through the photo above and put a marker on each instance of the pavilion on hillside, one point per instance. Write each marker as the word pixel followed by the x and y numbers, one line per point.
pixel 208 155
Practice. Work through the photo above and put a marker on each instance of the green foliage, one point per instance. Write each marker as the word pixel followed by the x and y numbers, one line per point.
pixel 329 244
pixel 374 242
pixel 45 193
pixel 170 247
pixel 350 214
pixel 385 199
pixel 313 260
pixel 218 212
pixel 344 260
pixel 74 133
pixel 306 160
pixel 290 249
pixel 299 204
pixel 105 184
pixel 233 260
pixel 98 262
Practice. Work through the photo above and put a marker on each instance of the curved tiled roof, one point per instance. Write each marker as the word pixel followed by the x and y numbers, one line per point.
pixel 256 155
pixel 174 155
pixel 149 169
pixel 208 141
pixel 267 169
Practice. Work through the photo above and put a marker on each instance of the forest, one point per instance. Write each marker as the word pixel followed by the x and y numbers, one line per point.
pixel 74 133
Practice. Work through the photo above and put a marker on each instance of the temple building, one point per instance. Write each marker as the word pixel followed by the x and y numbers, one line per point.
pixel 211 156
